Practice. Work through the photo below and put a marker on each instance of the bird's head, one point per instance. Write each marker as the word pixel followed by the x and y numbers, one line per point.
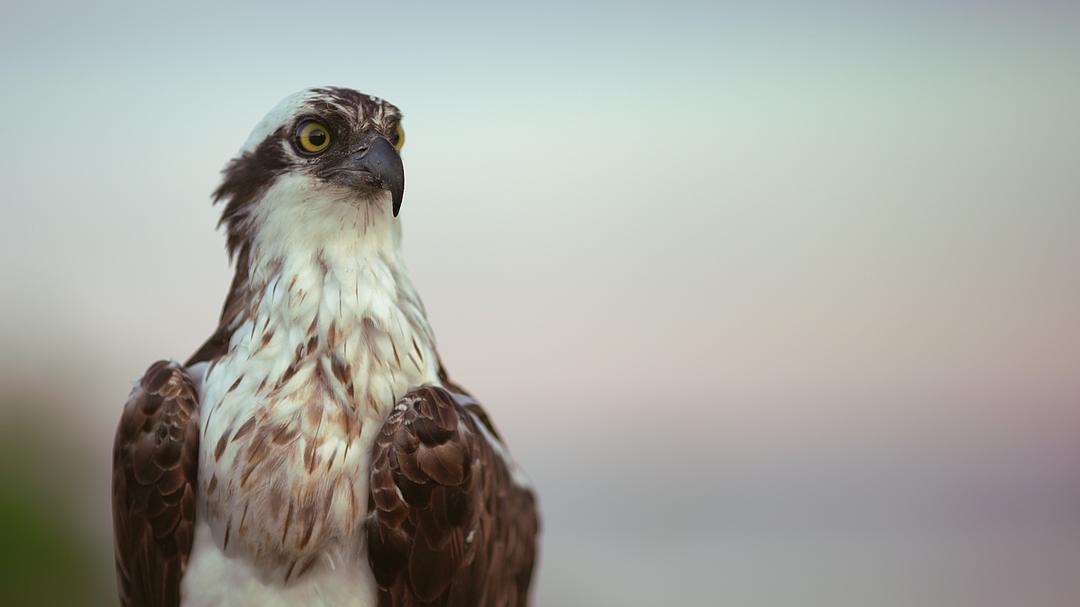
pixel 322 161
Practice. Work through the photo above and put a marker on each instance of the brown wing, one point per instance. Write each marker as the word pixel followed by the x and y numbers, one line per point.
pixel 155 462
pixel 446 523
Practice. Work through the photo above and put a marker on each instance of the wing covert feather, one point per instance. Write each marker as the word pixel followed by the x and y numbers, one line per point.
pixel 447 525
pixel 155 463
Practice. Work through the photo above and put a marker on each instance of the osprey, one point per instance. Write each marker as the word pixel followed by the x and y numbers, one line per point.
pixel 313 451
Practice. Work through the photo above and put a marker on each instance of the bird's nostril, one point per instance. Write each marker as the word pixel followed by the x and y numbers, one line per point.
pixel 360 149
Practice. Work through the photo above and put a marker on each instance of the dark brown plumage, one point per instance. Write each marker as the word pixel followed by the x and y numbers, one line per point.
pixel 155 462
pixel 446 524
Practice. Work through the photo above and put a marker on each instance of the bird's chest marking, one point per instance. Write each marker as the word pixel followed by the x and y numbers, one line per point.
pixel 293 410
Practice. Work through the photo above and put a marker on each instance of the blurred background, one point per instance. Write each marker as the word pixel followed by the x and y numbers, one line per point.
pixel 778 304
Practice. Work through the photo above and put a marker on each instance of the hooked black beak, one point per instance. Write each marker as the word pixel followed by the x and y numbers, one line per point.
pixel 378 164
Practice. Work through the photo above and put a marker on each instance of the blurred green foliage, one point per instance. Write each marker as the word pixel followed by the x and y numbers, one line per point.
pixel 45 556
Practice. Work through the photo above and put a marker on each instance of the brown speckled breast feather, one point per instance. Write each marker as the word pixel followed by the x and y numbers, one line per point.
pixel 446 523
pixel 155 462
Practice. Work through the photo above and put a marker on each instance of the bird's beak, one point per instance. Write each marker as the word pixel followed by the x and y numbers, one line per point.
pixel 379 164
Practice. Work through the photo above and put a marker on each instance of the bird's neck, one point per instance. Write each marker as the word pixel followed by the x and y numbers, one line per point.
pixel 314 259
pixel 346 283
pixel 334 301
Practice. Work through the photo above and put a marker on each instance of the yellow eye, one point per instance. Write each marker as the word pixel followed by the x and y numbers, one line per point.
pixel 399 137
pixel 312 136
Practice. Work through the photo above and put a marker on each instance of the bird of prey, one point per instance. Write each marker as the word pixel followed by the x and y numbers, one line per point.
pixel 314 451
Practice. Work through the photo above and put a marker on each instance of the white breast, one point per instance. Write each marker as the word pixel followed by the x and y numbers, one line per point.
pixel 289 415
pixel 215 580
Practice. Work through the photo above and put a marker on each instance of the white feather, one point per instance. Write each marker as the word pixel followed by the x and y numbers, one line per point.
pixel 216 580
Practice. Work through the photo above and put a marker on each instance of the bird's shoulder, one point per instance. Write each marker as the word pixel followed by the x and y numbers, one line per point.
pixel 451 519
pixel 155 464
